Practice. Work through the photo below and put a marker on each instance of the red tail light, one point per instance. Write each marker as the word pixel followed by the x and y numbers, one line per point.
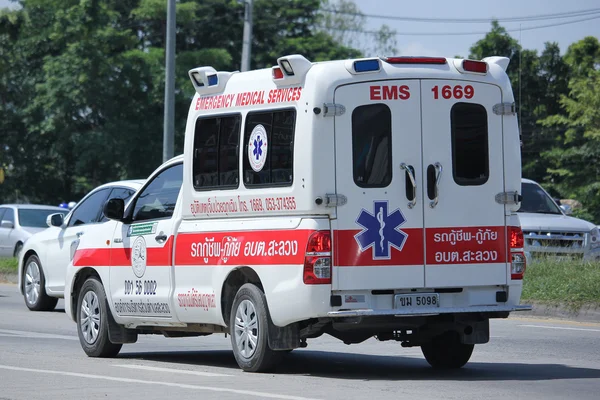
pixel 515 235
pixel 317 260
pixel 518 262
pixel 475 66
pixel 415 60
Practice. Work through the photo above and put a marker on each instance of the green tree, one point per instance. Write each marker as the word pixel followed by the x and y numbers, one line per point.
pixel 574 164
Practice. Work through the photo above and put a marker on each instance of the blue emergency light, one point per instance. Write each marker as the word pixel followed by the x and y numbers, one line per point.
pixel 366 65
pixel 212 80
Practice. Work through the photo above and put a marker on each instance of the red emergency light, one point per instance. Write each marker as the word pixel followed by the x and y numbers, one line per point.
pixel 415 60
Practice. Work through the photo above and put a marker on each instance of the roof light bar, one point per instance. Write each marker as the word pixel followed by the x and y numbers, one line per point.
pixel 475 66
pixel 415 60
pixel 277 73
pixel 212 80
pixel 366 65
pixel 197 79
pixel 287 67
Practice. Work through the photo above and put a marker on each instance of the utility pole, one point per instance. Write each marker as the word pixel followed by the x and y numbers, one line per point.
pixel 247 41
pixel 169 116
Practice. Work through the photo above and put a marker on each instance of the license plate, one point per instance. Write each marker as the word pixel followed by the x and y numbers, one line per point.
pixel 421 300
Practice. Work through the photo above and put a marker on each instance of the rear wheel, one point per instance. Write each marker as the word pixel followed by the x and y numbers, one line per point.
pixel 447 352
pixel 92 321
pixel 34 287
pixel 249 325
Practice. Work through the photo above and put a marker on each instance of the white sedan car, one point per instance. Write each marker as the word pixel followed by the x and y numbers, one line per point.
pixel 45 255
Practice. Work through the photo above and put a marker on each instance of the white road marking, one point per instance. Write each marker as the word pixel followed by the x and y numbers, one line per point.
pixel 561 327
pixel 176 371
pixel 35 335
pixel 159 383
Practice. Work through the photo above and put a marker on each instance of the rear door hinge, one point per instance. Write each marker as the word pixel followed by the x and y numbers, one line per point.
pixel 333 110
pixel 335 200
pixel 508 198
pixel 505 109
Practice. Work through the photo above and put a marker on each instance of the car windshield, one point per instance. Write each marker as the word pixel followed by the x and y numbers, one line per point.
pixel 535 200
pixel 35 217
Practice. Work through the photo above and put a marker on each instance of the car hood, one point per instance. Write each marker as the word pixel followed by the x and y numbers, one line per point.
pixel 553 222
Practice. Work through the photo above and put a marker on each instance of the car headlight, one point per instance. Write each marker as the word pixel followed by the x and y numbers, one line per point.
pixel 595 238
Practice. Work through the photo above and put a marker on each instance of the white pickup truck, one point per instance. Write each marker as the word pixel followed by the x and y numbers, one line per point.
pixel 356 198
pixel 549 233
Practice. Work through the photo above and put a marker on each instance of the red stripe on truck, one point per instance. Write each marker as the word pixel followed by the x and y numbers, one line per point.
pixel 242 248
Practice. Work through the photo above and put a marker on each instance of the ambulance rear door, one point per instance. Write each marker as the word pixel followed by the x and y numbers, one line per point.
pixel 462 172
pixel 378 233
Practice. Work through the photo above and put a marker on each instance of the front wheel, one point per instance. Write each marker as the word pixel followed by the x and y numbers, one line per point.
pixel 249 325
pixel 34 287
pixel 92 321
pixel 447 352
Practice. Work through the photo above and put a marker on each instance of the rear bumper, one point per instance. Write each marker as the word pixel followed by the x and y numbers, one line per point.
pixel 428 311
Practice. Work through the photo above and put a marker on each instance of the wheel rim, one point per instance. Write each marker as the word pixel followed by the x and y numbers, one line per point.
pixel 246 329
pixel 89 317
pixel 32 282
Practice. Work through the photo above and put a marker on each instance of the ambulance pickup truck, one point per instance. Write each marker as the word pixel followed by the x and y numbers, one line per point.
pixel 357 198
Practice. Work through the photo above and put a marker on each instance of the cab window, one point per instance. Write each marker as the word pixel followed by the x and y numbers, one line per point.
pixel 88 211
pixel 470 156
pixel 216 150
pixel 269 148
pixel 372 145
pixel 158 198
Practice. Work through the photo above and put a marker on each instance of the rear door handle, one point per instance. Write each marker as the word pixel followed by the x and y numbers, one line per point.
pixel 434 175
pixel 161 238
pixel 411 195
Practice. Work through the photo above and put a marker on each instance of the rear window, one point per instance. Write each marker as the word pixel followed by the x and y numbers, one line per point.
pixel 470 156
pixel 372 145
pixel 36 218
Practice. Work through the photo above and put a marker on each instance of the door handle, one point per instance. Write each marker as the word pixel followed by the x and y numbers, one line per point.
pixel 161 238
pixel 412 197
pixel 78 234
pixel 434 176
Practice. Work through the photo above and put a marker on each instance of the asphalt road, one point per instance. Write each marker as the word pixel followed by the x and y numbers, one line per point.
pixel 40 358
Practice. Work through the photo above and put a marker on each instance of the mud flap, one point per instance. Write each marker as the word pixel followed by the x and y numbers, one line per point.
pixel 118 334
pixel 475 332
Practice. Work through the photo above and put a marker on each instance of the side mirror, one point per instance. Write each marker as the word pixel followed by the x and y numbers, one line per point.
pixel 7 224
pixel 114 209
pixel 55 219
pixel 566 209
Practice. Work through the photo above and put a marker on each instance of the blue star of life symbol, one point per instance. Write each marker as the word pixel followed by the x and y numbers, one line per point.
pixel 257 147
pixel 380 230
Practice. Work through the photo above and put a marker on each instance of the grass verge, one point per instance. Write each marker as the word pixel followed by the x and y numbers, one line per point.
pixel 570 283
pixel 8 265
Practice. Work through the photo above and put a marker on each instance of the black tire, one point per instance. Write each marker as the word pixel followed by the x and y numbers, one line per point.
pixel 447 352
pixel 93 333
pixel 18 249
pixel 259 357
pixel 34 286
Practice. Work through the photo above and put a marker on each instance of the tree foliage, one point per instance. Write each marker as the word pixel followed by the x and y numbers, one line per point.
pixel 82 82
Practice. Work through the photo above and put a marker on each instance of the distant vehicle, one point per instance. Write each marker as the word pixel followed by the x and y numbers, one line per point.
pixel 18 222
pixel 45 256
pixel 549 232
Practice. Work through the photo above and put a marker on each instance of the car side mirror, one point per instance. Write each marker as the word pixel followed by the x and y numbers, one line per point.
pixel 7 224
pixel 55 219
pixel 114 209
pixel 566 209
